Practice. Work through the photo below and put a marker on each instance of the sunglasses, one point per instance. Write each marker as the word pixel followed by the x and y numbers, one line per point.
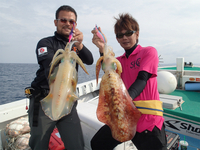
pixel 64 20
pixel 127 33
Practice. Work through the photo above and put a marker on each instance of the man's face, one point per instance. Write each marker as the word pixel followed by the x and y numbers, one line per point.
pixel 128 42
pixel 64 27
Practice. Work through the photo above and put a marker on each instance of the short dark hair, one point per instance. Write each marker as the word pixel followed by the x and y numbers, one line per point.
pixel 126 22
pixel 65 8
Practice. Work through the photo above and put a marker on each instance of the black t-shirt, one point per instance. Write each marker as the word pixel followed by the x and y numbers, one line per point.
pixel 45 50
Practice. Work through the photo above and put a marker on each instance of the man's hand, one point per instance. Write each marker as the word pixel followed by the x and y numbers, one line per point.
pixel 78 36
pixel 98 41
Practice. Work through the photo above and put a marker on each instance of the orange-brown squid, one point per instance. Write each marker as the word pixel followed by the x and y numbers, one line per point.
pixel 115 107
pixel 62 83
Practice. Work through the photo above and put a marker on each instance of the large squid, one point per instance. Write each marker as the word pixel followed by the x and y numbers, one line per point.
pixel 115 107
pixel 62 82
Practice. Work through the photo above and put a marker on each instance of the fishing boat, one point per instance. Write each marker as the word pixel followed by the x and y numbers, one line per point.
pixel 181 112
pixel 181 108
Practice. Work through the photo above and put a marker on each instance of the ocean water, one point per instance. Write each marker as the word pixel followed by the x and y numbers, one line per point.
pixel 15 77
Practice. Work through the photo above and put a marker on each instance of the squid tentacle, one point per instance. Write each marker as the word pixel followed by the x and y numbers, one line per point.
pixel 79 61
pixel 98 67
pixel 119 66
pixel 57 54
pixel 55 62
pixel 68 47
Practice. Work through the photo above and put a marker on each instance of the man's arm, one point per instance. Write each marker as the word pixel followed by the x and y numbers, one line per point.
pixel 86 56
pixel 45 58
pixel 138 86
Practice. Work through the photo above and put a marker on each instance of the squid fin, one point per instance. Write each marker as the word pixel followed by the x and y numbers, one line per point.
pixel 46 104
pixel 74 96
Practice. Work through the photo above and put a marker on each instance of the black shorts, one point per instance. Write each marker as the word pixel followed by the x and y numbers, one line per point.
pixel 147 140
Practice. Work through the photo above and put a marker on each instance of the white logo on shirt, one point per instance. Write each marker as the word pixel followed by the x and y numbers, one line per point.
pixel 42 50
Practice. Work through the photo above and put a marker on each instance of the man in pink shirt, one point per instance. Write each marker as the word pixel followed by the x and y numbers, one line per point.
pixel 139 71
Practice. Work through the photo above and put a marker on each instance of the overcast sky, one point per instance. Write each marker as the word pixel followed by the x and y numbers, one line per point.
pixel 171 26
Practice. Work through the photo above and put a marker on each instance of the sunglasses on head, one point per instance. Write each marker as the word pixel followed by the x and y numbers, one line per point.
pixel 64 20
pixel 127 33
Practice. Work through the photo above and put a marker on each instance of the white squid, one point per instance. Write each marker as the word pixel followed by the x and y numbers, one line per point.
pixel 62 83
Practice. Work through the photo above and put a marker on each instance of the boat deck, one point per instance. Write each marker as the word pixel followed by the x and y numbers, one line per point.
pixel 185 68
pixel 190 107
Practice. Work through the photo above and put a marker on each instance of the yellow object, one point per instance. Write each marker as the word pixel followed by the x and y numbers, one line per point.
pixel 151 107
pixel 27 91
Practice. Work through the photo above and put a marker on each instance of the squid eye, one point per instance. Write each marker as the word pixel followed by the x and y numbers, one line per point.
pixel 72 60
pixel 113 66
pixel 103 65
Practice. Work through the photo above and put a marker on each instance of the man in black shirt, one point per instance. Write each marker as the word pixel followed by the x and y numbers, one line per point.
pixel 41 125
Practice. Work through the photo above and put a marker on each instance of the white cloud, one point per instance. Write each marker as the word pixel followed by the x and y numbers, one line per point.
pixel 172 27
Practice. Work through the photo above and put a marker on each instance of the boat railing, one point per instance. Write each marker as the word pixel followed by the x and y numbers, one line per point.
pixel 16 109
pixel 12 111
pixel 87 87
